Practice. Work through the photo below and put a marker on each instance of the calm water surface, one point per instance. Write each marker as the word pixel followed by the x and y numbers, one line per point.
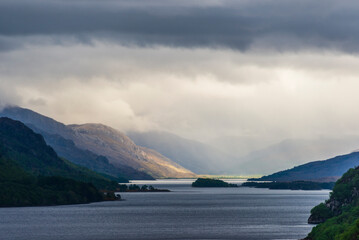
pixel 184 213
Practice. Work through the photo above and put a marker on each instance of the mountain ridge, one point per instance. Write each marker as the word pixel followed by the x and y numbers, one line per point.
pixel 100 140
pixel 93 135
pixel 294 152
pixel 323 170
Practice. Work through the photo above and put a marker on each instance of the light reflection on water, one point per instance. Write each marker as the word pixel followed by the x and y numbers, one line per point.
pixel 184 213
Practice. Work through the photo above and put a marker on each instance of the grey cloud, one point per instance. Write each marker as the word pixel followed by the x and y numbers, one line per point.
pixel 239 25
pixel 8 43
pixel 37 102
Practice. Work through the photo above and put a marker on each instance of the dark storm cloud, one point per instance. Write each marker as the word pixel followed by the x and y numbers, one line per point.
pixel 275 24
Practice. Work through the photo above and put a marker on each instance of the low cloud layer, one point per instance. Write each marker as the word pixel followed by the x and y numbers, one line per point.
pixel 276 24
pixel 200 94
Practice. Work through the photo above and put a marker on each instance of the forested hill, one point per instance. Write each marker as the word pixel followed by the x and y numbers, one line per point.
pixel 20 188
pixel 339 215
pixel 326 170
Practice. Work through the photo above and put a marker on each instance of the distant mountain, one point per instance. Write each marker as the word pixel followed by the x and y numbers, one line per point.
pixel 326 170
pixel 207 159
pixel 100 148
pixel 29 152
pixel 121 150
pixel 67 149
pixel 198 157
pixel 293 152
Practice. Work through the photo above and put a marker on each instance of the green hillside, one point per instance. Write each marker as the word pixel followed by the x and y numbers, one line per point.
pixel 18 188
pixel 339 215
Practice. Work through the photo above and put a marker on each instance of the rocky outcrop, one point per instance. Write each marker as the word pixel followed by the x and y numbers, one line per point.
pixel 315 219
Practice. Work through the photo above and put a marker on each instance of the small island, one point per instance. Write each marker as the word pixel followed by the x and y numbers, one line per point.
pixel 209 182
pixel 294 185
pixel 136 188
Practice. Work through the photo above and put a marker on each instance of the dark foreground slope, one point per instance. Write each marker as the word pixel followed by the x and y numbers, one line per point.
pixel 327 170
pixel 339 215
pixel 28 190
pixel 28 151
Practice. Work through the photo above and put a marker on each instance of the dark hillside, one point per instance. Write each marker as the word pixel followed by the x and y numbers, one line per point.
pixel 339 215
pixel 30 152
pixel 326 171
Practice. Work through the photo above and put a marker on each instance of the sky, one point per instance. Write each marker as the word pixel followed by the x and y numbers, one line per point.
pixel 267 69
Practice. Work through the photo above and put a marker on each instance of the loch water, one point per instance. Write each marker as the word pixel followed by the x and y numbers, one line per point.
pixel 184 213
